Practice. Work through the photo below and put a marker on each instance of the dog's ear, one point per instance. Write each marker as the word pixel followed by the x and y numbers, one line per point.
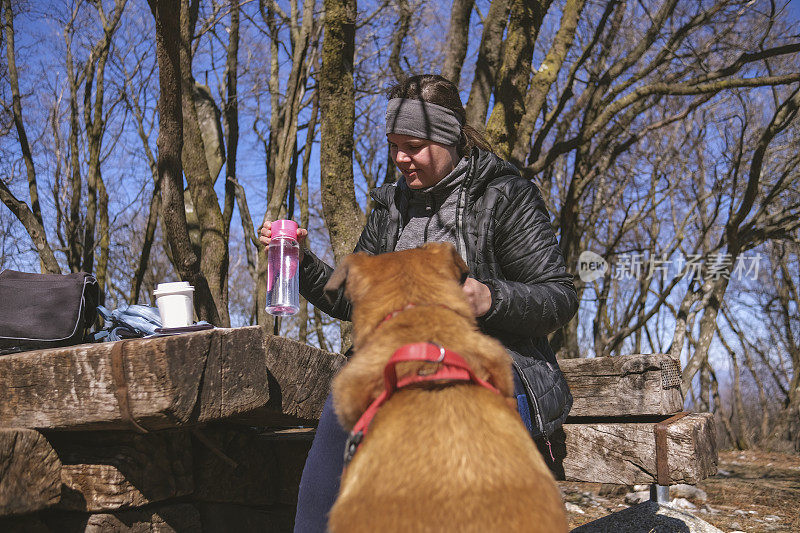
pixel 461 268
pixel 451 258
pixel 339 277
pixel 337 280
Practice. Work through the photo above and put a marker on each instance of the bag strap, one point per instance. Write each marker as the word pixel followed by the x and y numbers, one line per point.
pixel 121 385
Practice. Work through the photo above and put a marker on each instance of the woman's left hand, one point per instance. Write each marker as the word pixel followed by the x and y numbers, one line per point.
pixel 478 295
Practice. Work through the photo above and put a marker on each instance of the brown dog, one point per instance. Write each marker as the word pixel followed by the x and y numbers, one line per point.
pixel 437 456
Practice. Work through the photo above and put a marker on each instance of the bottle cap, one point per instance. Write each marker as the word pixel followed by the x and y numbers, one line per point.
pixel 284 228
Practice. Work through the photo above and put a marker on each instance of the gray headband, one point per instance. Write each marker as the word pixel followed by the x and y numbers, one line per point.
pixel 424 120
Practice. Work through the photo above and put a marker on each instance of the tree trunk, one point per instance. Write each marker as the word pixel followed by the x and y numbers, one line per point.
pixel 456 43
pixel 213 244
pixel 403 23
pixel 304 317
pixel 170 143
pixel 787 427
pixel 147 244
pixel 544 77
pixel 488 62
pixel 101 272
pixel 742 426
pixel 231 118
pixel 515 74
pixel 343 216
pixel 708 327
pixel 74 252
pixel 719 408
pixel 705 389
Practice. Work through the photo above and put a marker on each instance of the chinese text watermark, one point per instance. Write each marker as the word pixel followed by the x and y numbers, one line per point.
pixel 592 266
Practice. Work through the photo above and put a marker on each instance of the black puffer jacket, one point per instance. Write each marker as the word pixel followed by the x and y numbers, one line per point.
pixel 505 235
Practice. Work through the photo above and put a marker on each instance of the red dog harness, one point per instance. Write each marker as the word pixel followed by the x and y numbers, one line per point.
pixel 453 368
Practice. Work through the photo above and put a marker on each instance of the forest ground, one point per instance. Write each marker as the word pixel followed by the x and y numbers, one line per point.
pixel 752 491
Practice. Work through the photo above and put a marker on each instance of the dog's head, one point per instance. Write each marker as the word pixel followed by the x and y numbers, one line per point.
pixel 428 274
pixel 421 281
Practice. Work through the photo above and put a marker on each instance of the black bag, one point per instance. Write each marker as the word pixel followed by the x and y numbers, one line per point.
pixel 45 310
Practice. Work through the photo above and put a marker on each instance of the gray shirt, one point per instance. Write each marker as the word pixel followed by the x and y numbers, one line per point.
pixel 431 213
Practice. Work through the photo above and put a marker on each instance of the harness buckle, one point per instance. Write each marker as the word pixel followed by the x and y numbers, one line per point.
pixel 441 351
pixel 351 446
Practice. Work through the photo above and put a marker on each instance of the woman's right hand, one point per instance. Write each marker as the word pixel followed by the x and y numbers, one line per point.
pixel 265 235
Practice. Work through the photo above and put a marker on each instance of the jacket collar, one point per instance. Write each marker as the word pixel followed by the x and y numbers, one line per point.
pixel 485 167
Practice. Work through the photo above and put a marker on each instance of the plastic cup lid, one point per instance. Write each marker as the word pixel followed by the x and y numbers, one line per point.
pixel 174 286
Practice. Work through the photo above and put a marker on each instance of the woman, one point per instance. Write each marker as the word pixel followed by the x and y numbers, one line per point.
pixel 454 189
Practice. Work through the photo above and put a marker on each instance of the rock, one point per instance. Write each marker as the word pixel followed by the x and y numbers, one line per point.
pixel 637 497
pixel 723 473
pixel 740 512
pixel 687 491
pixel 640 488
pixel 611 489
pixel 572 508
pixel 772 518
pixel 648 516
pixel 682 503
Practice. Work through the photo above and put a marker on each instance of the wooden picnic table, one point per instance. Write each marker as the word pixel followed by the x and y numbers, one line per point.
pixel 209 430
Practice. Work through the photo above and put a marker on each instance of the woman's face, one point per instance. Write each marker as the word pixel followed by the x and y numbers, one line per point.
pixel 423 163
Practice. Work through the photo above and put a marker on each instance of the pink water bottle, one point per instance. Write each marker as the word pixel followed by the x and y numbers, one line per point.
pixel 283 254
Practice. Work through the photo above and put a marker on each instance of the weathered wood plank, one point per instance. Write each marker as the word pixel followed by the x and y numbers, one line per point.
pixel 625 453
pixel 300 378
pixel 303 375
pixel 108 471
pixel 172 381
pixel 240 467
pixel 113 471
pixel 628 385
pixel 30 472
pixel 176 518
pixel 168 518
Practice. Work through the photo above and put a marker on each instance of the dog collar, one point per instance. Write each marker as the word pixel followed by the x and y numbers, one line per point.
pixel 452 367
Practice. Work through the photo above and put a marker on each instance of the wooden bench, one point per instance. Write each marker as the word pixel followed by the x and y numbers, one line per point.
pixel 161 432
pixel 621 403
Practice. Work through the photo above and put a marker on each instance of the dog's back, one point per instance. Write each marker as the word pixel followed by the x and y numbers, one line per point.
pixel 455 459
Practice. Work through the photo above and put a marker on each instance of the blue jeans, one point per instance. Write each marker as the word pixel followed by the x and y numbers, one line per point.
pixel 322 473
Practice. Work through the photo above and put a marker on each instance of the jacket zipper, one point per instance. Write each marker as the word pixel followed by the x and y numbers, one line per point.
pixel 461 245
pixel 529 392
pixel 432 209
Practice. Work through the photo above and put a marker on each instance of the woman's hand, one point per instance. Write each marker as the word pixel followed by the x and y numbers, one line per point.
pixel 265 235
pixel 478 295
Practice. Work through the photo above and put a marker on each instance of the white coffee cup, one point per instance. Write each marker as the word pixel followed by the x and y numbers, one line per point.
pixel 175 303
